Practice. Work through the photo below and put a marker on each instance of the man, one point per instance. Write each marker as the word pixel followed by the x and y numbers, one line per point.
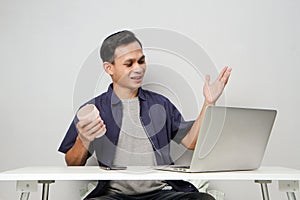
pixel 138 126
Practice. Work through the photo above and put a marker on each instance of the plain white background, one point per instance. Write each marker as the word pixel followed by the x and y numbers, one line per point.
pixel 45 43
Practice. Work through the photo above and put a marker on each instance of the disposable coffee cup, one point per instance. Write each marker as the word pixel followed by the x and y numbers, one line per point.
pixel 89 112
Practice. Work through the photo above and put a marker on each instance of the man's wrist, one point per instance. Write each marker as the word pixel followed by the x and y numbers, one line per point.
pixel 206 103
pixel 84 143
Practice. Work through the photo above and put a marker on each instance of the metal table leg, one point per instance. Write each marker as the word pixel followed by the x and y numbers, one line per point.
pixel 45 191
pixel 264 188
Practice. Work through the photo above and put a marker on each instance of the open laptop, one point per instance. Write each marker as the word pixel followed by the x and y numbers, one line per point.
pixel 230 139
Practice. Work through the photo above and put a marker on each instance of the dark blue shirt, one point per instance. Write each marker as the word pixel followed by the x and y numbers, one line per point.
pixel 160 118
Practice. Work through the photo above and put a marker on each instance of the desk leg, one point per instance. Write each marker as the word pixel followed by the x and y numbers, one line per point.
pixel 264 188
pixel 45 191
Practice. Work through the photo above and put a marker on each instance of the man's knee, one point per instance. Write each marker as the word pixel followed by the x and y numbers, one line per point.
pixel 207 197
pixel 198 196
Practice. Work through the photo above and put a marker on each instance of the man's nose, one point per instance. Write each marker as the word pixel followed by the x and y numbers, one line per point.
pixel 138 68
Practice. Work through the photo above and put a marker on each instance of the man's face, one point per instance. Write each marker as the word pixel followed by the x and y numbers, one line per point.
pixel 129 66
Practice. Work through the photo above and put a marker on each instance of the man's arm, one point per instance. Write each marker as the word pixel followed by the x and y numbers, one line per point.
pixel 211 92
pixel 189 141
pixel 77 155
pixel 87 131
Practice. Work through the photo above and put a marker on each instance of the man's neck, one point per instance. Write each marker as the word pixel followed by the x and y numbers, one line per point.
pixel 125 93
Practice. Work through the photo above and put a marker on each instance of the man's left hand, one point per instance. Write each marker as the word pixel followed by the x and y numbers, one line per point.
pixel 213 91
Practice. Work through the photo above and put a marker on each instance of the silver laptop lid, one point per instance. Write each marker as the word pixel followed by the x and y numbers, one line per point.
pixel 232 139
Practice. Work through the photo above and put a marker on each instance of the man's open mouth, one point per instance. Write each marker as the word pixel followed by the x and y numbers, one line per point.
pixel 137 77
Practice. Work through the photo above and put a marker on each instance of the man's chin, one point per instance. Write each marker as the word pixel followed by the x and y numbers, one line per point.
pixel 135 86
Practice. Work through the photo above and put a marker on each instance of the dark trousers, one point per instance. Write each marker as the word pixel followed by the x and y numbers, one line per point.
pixel 158 195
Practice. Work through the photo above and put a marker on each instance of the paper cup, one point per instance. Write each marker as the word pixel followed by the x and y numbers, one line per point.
pixel 89 112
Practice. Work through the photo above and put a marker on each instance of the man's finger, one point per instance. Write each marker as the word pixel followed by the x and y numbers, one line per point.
pixel 83 123
pixel 94 129
pixel 86 126
pixel 226 75
pixel 207 79
pixel 222 73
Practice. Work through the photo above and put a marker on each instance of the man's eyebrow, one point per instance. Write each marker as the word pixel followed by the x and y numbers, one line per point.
pixel 142 57
pixel 132 59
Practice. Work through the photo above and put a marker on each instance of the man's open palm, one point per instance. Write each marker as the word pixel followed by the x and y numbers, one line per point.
pixel 213 91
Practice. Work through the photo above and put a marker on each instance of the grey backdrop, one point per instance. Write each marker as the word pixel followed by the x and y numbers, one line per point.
pixel 44 45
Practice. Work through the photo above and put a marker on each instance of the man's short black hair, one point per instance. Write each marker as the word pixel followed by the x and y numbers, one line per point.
pixel 109 45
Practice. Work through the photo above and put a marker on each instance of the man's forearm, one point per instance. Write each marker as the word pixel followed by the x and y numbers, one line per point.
pixel 189 141
pixel 77 155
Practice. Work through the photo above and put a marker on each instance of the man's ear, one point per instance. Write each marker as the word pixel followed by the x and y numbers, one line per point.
pixel 108 68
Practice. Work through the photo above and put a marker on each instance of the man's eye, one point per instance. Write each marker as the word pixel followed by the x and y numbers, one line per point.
pixel 141 62
pixel 128 64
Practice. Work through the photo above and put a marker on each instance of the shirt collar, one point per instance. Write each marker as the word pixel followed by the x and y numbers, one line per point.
pixel 115 99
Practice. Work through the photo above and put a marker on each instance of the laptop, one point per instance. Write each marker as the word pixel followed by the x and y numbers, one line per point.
pixel 230 139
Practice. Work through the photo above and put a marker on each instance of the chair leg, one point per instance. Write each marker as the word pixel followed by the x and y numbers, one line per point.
pixel 24 195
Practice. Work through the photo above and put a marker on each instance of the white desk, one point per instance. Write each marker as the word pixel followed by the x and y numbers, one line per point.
pixel 47 175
